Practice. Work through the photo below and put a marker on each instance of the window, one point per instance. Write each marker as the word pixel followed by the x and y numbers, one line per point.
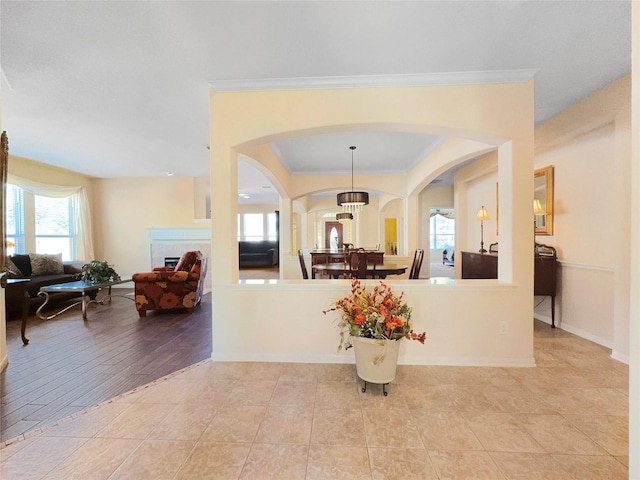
pixel 15 218
pixel 253 226
pixel 54 228
pixel 40 224
pixel 442 230
pixel 257 226
pixel 272 230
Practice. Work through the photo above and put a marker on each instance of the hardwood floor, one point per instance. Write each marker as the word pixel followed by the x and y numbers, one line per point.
pixel 259 273
pixel 70 364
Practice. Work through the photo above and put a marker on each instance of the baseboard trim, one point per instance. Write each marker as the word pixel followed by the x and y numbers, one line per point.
pixel 3 363
pixel 576 331
pixel 402 360
pixel 620 357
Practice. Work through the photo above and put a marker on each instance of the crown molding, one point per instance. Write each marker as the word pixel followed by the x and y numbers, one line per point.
pixel 365 81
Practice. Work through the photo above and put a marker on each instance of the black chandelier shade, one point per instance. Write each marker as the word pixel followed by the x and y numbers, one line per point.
pixel 344 217
pixel 352 201
pixel 353 198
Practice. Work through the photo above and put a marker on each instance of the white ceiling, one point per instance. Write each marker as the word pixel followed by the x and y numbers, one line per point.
pixel 115 89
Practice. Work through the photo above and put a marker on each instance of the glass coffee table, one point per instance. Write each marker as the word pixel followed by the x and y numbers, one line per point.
pixel 99 293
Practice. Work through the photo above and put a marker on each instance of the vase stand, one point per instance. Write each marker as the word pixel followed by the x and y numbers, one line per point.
pixel 384 387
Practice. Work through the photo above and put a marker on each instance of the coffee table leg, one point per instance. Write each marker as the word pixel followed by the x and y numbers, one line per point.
pixel 84 306
pixel 46 300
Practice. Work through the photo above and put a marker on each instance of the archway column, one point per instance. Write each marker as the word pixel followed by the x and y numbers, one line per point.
pixel 411 225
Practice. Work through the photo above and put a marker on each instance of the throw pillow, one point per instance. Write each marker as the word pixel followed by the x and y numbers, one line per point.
pixel 187 262
pixel 44 264
pixel 23 262
pixel 11 268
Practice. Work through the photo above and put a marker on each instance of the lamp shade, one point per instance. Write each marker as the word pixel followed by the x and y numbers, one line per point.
pixel 344 217
pixel 538 209
pixel 352 201
pixel 482 214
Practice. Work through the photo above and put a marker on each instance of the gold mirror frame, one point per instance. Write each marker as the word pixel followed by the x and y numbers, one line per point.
pixel 543 191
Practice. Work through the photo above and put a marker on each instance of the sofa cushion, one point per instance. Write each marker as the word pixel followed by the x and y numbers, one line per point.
pixel 11 268
pixel 45 264
pixel 23 262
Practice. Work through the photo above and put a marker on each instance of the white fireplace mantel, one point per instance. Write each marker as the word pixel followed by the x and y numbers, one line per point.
pixel 173 242
pixel 187 234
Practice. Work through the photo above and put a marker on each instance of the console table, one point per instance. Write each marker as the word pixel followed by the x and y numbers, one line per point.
pixel 338 256
pixel 485 265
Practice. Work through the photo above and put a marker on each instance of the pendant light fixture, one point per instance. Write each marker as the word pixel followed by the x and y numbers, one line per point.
pixel 344 218
pixel 352 201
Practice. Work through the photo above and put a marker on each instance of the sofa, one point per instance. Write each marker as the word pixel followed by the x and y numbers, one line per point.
pixel 263 253
pixel 41 270
pixel 169 288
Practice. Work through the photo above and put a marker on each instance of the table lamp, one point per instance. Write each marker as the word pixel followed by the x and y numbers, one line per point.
pixel 482 216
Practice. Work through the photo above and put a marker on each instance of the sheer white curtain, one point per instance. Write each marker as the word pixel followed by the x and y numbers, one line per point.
pixel 83 244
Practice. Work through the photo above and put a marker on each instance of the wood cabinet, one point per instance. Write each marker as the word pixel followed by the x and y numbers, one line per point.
pixel 485 265
pixel 479 265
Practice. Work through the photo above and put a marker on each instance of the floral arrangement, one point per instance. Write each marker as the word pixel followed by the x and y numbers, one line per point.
pixel 380 315
pixel 98 271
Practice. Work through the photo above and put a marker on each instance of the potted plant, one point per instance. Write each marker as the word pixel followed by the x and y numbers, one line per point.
pixel 374 323
pixel 98 271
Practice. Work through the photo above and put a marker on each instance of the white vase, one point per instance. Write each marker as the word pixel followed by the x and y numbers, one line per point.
pixel 376 360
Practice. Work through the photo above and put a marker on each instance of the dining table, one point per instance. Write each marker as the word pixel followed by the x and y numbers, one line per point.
pixel 337 269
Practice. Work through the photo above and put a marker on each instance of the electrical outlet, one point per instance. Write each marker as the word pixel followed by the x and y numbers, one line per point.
pixel 504 327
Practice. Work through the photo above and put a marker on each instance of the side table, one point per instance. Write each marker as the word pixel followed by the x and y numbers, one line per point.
pixel 19 285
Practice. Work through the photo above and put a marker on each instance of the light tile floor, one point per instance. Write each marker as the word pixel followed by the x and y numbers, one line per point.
pixel 565 419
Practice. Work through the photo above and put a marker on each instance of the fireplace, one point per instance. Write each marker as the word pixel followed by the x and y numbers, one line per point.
pixel 171 261
pixel 168 244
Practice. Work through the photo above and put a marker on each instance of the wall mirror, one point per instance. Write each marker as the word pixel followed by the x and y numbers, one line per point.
pixel 543 191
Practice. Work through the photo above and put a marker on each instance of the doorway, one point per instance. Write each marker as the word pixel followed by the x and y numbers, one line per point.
pixel 442 228
pixel 333 235
pixel 390 236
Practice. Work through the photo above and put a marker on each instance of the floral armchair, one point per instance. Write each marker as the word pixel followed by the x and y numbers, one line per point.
pixel 167 288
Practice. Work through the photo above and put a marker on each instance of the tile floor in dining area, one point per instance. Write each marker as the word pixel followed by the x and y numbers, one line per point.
pixel 565 419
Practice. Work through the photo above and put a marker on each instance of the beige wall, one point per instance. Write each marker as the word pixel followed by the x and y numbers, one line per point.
pixel 126 208
pixel 589 147
pixel 240 121
pixel 585 233
pixel 586 186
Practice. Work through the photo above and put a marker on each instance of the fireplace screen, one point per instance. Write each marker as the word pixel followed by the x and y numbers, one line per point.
pixel 171 261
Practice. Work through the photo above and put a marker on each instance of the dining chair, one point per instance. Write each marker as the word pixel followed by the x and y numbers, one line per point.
pixel 358 263
pixel 303 267
pixel 417 264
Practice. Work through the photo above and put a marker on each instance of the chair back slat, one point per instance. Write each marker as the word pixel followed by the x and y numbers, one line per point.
pixel 417 264
pixel 303 266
